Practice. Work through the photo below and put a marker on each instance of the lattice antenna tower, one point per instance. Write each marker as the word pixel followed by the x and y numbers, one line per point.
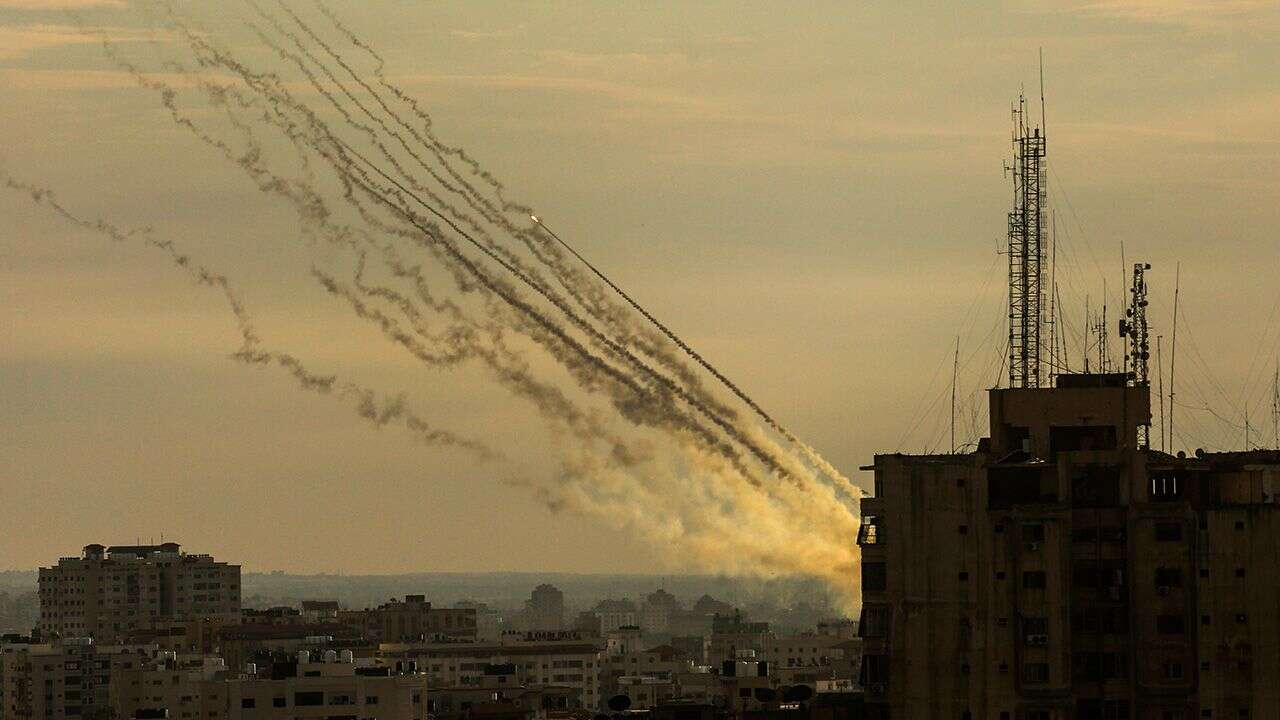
pixel 1134 328
pixel 1026 249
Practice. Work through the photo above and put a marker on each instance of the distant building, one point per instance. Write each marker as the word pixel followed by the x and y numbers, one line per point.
pixel 614 614
pixel 658 611
pixel 543 611
pixel 1063 570
pixel 319 611
pixel 109 592
pixel 411 620
pixel 488 620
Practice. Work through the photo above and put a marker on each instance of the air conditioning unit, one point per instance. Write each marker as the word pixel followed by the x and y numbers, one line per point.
pixel 1033 547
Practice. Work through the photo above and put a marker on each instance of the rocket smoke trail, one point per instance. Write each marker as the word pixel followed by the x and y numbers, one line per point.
pixel 463 278
pixel 808 451
pixel 685 347
pixel 251 351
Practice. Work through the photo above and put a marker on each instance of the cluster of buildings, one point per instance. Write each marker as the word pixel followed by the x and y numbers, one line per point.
pixel 143 631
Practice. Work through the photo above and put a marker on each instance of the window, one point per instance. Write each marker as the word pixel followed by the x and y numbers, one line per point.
pixel 1168 577
pixel 964 576
pixel 1172 671
pixel 308 699
pixel 1239 572
pixel 1000 575
pixel 1170 625
pixel 1165 487
pixel 278 702
pixel 1239 524
pixel 963 529
pixel 370 699
pixel 1168 532
pixel 1033 579
pixel 869 531
pixel 248 703
pixel 1033 533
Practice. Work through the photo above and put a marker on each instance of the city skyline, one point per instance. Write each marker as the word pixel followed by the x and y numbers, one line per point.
pixel 814 200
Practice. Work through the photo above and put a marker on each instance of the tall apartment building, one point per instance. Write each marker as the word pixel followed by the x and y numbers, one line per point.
pixel 110 592
pixel 1062 571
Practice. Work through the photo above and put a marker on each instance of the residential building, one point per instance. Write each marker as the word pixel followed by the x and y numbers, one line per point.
pixel 1066 570
pixel 411 620
pixel 61 679
pixel 328 685
pixel 532 659
pixel 109 592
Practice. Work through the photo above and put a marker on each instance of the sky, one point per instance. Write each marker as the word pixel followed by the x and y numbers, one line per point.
pixel 812 195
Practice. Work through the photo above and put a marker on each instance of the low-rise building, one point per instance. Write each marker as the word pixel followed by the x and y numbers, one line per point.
pixel 411 620
pixel 532 659
pixel 328 685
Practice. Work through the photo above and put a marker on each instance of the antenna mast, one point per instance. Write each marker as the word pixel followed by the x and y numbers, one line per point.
pixel 1173 354
pixel 1160 390
pixel 1275 407
pixel 1026 250
pixel 1133 326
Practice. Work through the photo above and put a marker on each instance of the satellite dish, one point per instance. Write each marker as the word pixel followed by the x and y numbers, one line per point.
pixel 619 703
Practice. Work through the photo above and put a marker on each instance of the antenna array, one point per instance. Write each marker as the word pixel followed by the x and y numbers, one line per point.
pixel 1026 250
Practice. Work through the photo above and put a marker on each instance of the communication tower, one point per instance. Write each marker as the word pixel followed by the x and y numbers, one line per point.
pixel 1026 249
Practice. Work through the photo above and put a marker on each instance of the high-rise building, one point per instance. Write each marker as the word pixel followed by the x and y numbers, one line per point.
pixel 110 592
pixel 1065 571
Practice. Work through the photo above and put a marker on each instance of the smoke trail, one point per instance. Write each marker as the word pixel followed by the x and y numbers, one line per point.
pixel 692 488
pixel 250 351
pixel 632 405
pixel 807 450
pixel 588 295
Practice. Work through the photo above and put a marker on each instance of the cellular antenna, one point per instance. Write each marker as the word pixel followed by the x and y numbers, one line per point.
pixel 1133 327
pixel 1026 250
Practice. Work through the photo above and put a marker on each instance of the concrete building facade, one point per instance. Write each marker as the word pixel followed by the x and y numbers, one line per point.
pixel 109 592
pixel 1063 572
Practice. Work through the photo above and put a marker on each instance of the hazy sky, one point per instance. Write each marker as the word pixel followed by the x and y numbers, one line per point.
pixel 811 193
